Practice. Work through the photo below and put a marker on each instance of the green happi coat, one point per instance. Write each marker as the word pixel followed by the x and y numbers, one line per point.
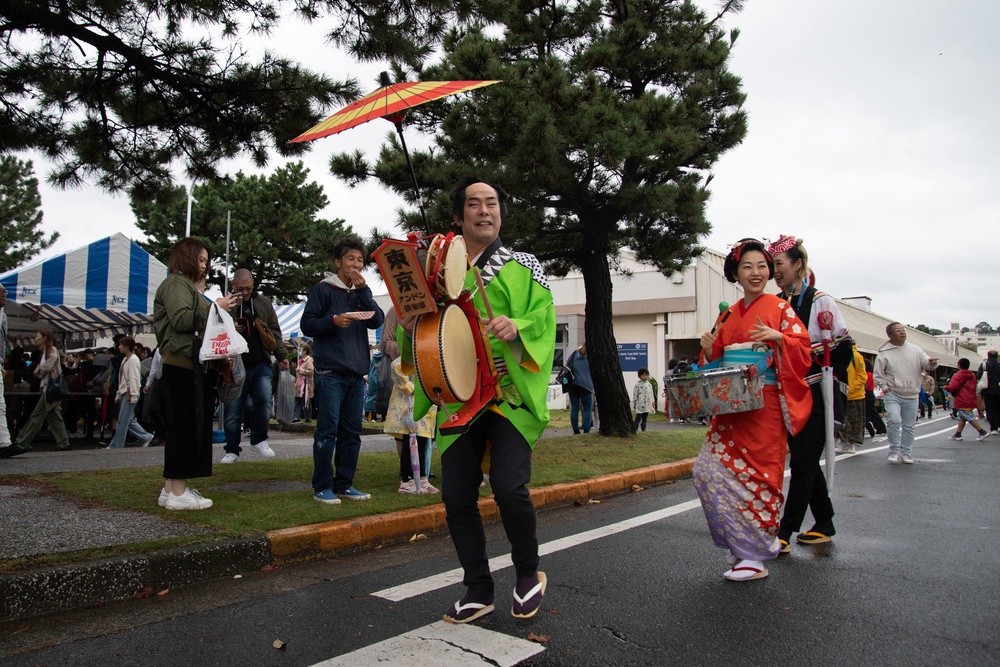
pixel 516 287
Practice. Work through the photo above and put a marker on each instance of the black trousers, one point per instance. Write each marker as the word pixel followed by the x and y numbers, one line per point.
pixel 992 403
pixel 873 420
pixel 807 486
pixel 510 472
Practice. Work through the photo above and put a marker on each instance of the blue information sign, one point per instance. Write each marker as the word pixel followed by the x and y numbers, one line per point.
pixel 633 356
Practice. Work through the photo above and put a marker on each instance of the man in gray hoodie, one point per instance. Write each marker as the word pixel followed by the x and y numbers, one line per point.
pixel 897 373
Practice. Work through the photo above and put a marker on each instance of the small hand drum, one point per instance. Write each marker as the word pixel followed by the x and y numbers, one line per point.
pixel 446 266
pixel 444 353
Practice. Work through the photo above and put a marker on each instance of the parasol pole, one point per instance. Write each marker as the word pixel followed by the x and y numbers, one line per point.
pixel 397 120
pixel 825 321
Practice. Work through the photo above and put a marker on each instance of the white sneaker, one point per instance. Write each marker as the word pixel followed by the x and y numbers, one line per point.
pixel 264 449
pixel 852 449
pixel 164 497
pixel 407 487
pixel 189 500
pixel 907 458
pixel 230 458
pixel 145 443
pixel 893 457
pixel 983 436
pixel 427 487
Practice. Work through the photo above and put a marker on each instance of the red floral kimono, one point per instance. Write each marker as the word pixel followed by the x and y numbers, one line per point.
pixel 740 471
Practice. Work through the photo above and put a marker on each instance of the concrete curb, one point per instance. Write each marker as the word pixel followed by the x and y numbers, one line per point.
pixel 81 585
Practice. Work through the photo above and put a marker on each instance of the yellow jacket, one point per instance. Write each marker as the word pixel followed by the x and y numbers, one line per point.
pixel 857 377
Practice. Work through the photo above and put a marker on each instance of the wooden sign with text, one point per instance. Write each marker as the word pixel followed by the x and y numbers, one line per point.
pixel 399 264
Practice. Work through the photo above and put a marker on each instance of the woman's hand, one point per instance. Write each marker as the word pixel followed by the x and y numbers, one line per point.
pixel 707 342
pixel 763 333
pixel 227 302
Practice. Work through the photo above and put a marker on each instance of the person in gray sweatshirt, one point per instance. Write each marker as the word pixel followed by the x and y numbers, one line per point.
pixel 897 374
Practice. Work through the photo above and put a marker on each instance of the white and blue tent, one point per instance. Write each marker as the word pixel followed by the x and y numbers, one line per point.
pixel 290 316
pixel 94 291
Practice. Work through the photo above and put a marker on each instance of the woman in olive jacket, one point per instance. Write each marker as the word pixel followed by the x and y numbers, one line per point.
pixel 180 312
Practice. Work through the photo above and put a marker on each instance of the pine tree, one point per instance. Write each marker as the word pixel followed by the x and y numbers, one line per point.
pixel 608 118
pixel 116 91
pixel 274 230
pixel 20 214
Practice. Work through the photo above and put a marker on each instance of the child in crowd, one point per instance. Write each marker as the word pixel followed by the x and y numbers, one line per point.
pixel 642 400
pixel 399 424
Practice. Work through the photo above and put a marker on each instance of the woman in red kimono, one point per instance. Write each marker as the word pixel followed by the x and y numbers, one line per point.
pixel 740 470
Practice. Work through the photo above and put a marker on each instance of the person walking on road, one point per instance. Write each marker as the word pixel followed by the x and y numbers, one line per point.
pixel 963 387
pixel 5 452
pixel 897 373
pixel 48 370
pixel 929 385
pixel 739 472
pixel 127 394
pixel 807 487
pixel 522 336
pixel 991 393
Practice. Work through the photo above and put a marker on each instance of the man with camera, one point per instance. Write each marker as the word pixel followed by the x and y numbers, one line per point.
pixel 257 322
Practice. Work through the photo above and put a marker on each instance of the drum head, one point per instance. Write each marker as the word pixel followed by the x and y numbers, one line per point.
pixel 453 269
pixel 458 351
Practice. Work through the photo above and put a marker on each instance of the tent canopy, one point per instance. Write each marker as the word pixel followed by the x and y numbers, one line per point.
pixel 96 290
pixel 290 316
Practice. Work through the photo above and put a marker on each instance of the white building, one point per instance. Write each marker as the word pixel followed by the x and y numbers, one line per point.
pixel 656 318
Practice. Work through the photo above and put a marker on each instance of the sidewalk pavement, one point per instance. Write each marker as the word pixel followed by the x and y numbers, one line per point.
pixel 33 522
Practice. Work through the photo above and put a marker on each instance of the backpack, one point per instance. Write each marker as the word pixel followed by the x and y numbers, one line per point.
pixel 383 384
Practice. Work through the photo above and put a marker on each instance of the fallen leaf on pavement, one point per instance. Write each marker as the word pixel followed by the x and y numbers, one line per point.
pixel 278 644
pixel 418 536
pixel 144 592
pixel 538 639
pixel 165 591
pixel 268 568
pixel 636 487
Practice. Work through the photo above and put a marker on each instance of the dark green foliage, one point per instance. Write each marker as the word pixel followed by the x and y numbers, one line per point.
pixel 608 119
pixel 274 229
pixel 20 214
pixel 118 90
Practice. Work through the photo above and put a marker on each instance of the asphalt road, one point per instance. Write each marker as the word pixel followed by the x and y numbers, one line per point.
pixel 910 579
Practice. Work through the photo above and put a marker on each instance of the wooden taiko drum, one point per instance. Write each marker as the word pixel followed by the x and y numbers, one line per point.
pixel 446 266
pixel 444 354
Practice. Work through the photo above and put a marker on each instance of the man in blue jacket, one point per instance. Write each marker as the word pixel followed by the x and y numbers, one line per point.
pixel 337 318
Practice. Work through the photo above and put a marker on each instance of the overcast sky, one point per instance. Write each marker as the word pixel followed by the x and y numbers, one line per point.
pixel 872 136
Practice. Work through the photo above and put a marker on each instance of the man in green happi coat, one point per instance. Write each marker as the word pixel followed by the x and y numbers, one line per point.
pixel 500 440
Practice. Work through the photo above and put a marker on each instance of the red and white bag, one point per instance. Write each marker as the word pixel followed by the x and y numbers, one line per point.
pixel 221 339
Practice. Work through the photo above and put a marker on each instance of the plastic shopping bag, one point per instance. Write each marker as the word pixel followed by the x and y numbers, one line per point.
pixel 284 401
pixel 232 381
pixel 221 339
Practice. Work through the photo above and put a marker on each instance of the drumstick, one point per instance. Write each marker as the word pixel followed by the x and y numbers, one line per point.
pixel 482 290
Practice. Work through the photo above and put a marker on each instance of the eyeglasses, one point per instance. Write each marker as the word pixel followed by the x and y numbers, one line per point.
pixel 243 289
pixel 897 331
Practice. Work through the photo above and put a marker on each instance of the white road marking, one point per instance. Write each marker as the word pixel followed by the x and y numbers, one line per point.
pixel 441 645
pixel 444 579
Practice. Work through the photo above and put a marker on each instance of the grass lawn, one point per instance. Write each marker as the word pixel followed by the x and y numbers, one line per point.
pixel 239 512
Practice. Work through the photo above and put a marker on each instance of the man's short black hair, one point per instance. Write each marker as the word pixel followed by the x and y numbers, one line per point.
pixel 458 196
pixel 347 243
pixel 963 363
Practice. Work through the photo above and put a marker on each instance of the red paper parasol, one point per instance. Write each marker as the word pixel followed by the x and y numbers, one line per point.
pixel 391 102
